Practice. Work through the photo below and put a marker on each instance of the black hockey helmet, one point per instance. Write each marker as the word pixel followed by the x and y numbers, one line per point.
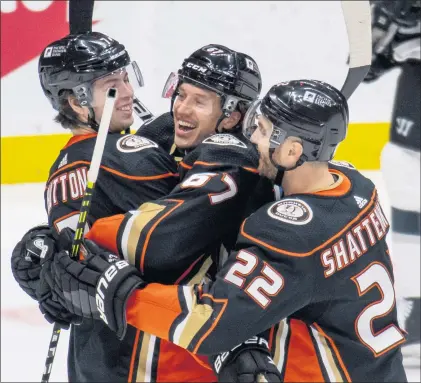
pixel 76 61
pixel 312 110
pixel 234 76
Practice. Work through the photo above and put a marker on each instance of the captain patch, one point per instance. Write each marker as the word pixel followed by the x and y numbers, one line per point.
pixel 292 211
pixel 132 143
pixel 224 139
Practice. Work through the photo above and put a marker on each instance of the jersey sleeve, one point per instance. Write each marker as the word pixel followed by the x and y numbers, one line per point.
pixel 171 238
pixel 259 285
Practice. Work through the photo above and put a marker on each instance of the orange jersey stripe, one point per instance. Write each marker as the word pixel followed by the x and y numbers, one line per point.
pixel 335 349
pixel 78 138
pixel 302 364
pixel 139 178
pixel 104 232
pixel 203 163
pixel 117 173
pixel 311 252
pixel 154 318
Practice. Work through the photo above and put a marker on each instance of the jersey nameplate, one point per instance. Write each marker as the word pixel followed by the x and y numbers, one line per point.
pixel 293 211
pixel 132 143
pixel 224 139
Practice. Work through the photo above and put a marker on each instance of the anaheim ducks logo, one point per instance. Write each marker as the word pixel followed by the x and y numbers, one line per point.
pixel 224 139
pixel 132 143
pixel 293 211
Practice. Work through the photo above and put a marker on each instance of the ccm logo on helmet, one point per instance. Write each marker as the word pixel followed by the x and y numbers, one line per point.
pixel 102 286
pixel 199 68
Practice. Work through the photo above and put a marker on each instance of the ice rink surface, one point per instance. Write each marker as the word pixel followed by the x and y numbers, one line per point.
pixel 25 334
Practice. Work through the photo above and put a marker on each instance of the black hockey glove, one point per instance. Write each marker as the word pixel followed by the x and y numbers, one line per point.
pixel 36 246
pixel 96 287
pixel 392 39
pixel 248 362
pixel 26 256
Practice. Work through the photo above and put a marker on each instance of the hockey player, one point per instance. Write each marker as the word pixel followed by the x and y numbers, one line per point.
pixel 75 73
pixel 317 260
pixel 217 179
pixel 177 239
pixel 397 42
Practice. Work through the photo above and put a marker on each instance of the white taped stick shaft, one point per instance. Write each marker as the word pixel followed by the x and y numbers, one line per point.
pixel 357 15
pixel 102 134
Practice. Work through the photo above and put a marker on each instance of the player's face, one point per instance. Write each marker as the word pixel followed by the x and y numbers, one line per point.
pixel 122 116
pixel 196 113
pixel 261 137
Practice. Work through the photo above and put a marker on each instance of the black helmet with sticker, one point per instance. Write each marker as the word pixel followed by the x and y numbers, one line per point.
pixel 233 75
pixel 312 110
pixel 76 61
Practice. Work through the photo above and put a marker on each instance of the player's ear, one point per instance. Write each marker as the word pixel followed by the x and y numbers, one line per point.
pixel 81 111
pixel 289 152
pixel 296 150
pixel 231 121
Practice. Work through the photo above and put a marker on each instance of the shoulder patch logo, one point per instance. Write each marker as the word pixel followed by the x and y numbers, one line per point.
pixel 131 143
pixel 344 164
pixel 224 139
pixel 293 211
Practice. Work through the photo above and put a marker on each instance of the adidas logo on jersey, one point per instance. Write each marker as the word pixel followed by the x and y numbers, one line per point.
pixel 361 202
pixel 63 161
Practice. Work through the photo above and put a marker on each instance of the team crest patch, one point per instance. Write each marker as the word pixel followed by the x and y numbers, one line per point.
pixel 224 139
pixel 132 143
pixel 292 211
pixel 343 164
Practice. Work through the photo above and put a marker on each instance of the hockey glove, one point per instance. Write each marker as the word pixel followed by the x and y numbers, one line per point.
pixel 37 245
pixel 248 362
pixel 395 36
pixel 96 287
pixel 26 256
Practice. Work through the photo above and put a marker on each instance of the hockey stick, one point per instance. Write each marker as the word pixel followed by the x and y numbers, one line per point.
pixel 357 15
pixel 141 110
pixel 84 210
pixel 80 16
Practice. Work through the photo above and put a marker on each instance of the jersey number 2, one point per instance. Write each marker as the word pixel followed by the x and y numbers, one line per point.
pixel 261 287
pixel 376 275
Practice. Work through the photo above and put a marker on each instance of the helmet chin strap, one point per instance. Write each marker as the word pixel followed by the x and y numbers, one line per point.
pixel 281 169
pixel 220 119
pixel 91 120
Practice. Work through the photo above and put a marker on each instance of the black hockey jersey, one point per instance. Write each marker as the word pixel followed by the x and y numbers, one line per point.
pixel 317 262
pixel 134 169
pixel 206 208
pixel 176 239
